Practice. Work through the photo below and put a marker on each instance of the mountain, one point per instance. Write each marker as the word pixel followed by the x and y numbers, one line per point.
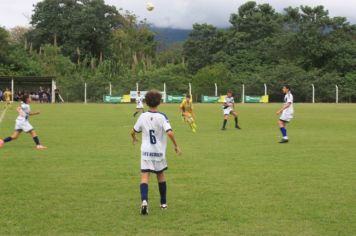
pixel 169 36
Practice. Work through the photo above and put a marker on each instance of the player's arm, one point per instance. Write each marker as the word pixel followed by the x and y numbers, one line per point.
pixel 133 136
pixel 181 107
pixel 173 139
pixel 136 129
pixel 283 108
pixel 34 113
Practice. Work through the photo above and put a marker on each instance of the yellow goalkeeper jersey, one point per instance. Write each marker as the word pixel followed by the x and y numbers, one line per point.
pixel 186 106
pixel 7 95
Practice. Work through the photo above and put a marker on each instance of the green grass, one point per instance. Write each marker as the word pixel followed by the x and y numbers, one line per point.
pixel 225 183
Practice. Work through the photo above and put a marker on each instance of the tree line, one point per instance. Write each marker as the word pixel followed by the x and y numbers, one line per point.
pixel 90 41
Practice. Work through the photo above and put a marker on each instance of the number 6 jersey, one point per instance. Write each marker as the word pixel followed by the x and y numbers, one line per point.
pixel 154 126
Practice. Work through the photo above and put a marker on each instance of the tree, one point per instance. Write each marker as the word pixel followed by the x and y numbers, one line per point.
pixel 82 28
pixel 4 46
pixel 205 78
pixel 18 35
pixel 256 21
pixel 203 43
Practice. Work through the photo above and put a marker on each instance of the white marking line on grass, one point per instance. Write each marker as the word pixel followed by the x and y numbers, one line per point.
pixel 2 116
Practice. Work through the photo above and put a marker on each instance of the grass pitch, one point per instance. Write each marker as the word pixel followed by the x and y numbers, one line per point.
pixel 225 183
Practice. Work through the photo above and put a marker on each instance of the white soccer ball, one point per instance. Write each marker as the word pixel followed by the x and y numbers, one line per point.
pixel 150 6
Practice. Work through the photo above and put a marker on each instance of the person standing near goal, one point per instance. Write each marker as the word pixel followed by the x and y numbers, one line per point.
pixel 229 109
pixel 155 128
pixel 23 125
pixel 139 104
pixel 286 113
pixel 7 97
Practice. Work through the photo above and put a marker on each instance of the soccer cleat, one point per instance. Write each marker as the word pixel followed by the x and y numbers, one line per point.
pixel 164 206
pixel 223 128
pixel 144 208
pixel 237 127
pixel 40 147
pixel 284 141
pixel 1 143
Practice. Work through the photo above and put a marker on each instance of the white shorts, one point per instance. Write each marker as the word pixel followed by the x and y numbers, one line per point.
pixel 139 107
pixel 23 125
pixel 228 111
pixel 286 117
pixel 154 166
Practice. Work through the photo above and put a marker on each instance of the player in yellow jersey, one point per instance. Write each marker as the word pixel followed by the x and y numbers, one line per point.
pixel 7 96
pixel 186 108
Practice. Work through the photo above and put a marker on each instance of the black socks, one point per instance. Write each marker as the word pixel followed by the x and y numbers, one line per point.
pixel 37 141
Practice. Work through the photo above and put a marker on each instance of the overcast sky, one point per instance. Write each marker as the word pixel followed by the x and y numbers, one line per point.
pixel 179 13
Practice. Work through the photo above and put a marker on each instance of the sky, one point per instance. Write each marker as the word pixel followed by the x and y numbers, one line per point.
pixel 178 13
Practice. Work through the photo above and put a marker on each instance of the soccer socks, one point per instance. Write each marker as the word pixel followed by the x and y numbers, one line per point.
pixel 236 122
pixel 8 139
pixel 284 132
pixel 36 140
pixel 224 124
pixel 163 192
pixel 135 113
pixel 144 192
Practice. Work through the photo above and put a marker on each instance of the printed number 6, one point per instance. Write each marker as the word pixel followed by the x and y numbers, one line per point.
pixel 153 137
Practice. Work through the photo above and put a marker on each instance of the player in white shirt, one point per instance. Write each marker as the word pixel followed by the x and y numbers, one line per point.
pixel 23 125
pixel 155 128
pixel 139 104
pixel 285 113
pixel 228 107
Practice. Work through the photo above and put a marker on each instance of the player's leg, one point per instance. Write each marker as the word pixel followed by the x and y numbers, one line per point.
pixel 7 104
pixel 282 127
pixel 193 124
pixel 35 138
pixel 145 176
pixel 162 186
pixel 14 136
pixel 226 116
pixel 137 111
pixel 234 113
pixel 188 117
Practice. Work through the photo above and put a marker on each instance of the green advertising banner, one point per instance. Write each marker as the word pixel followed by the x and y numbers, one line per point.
pixel 253 99
pixel 174 99
pixel 111 99
pixel 209 99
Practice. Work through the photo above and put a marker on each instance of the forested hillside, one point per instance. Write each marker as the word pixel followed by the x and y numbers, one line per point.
pixel 90 41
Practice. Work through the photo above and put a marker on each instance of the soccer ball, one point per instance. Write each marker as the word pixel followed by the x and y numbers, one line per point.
pixel 150 6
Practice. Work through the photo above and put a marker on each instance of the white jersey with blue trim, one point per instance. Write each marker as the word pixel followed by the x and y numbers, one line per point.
pixel 154 126
pixel 288 98
pixel 25 111
pixel 139 102
pixel 229 101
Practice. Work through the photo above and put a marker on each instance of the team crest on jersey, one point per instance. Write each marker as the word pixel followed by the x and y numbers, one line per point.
pixel 151 118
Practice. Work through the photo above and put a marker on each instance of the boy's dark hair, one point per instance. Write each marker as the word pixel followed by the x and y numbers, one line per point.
pixel 187 96
pixel 153 98
pixel 24 98
pixel 287 86
pixel 229 91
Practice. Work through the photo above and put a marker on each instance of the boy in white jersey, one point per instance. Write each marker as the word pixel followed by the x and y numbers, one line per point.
pixel 155 128
pixel 22 123
pixel 229 106
pixel 139 104
pixel 286 113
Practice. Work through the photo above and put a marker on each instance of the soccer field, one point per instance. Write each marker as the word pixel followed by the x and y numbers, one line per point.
pixel 233 182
